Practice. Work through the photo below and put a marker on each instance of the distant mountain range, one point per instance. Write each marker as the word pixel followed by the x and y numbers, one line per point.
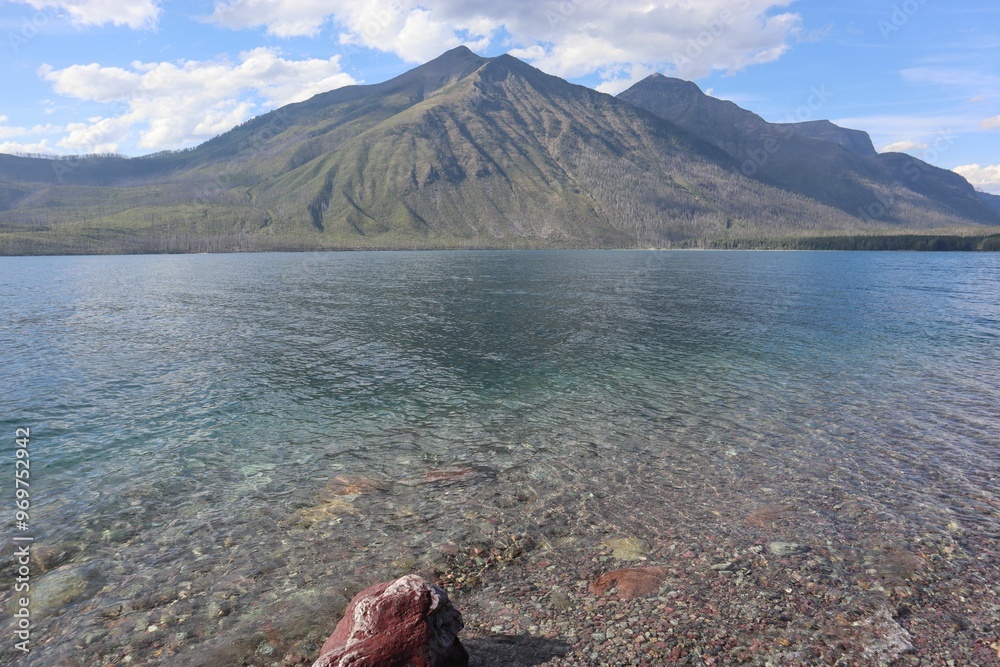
pixel 829 164
pixel 467 151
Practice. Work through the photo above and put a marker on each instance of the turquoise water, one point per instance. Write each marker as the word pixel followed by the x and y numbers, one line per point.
pixel 188 412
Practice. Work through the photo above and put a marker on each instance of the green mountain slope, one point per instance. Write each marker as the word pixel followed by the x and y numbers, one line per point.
pixel 461 152
pixel 508 155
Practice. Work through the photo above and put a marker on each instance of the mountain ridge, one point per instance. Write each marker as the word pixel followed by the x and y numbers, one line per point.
pixel 833 165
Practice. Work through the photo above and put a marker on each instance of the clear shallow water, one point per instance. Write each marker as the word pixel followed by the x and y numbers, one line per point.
pixel 189 412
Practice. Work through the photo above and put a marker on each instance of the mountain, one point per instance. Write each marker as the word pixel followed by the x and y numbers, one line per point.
pixel 830 164
pixel 824 130
pixel 993 201
pixel 466 151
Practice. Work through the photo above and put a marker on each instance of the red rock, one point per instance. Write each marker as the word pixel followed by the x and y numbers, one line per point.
pixel 404 623
pixel 449 475
pixel 631 582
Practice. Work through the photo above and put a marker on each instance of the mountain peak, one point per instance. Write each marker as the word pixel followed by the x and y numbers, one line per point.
pixel 685 103
pixel 417 84
pixel 449 66
pixel 663 81
pixel 503 66
pixel 458 54
pixel 460 49
pixel 855 140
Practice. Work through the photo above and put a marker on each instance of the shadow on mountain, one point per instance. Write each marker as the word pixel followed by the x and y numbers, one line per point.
pixel 512 651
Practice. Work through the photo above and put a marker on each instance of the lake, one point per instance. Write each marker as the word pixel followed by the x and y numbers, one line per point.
pixel 225 447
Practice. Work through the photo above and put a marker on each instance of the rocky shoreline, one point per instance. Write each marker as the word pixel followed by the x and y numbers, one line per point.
pixel 765 604
pixel 564 577
pixel 727 599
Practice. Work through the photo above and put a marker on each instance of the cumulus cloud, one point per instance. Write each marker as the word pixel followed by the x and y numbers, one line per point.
pixel 985 178
pixel 131 13
pixel 176 104
pixel 990 123
pixel 97 135
pixel 616 84
pixel 282 18
pixel 903 146
pixel 8 132
pixel 40 147
pixel 92 82
pixel 570 38
pixel 32 145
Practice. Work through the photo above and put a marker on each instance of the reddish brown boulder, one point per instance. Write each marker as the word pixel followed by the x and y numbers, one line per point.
pixel 404 623
pixel 631 582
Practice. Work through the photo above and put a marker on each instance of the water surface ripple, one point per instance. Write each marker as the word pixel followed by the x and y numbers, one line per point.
pixel 188 414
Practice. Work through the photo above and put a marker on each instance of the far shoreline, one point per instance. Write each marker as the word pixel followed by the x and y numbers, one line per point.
pixel 943 242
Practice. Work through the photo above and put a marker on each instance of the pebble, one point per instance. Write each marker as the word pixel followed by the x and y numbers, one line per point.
pixel 628 548
pixel 560 600
pixel 786 548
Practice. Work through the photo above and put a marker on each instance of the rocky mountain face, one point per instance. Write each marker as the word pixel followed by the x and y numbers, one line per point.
pixel 830 164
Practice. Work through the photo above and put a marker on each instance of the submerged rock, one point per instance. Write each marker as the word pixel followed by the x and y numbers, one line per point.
pixel 352 485
pixel 781 549
pixel 882 639
pixel 628 548
pixel 48 557
pixel 329 511
pixel 560 599
pixel 631 582
pixel 59 588
pixel 404 622
pixel 454 475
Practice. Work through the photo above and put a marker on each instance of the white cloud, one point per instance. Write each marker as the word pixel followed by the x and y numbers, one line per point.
pixel 7 132
pixel 990 123
pixel 421 38
pixel 92 82
pixel 282 18
pixel 985 178
pixel 579 54
pixel 175 104
pixel 11 131
pixel 903 146
pixel 132 13
pixel 97 135
pixel 12 147
pixel 613 86
pixel 569 38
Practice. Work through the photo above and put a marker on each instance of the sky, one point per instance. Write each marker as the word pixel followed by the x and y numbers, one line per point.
pixel 140 76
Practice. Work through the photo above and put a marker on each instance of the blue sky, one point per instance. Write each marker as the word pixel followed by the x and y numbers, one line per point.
pixel 140 76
